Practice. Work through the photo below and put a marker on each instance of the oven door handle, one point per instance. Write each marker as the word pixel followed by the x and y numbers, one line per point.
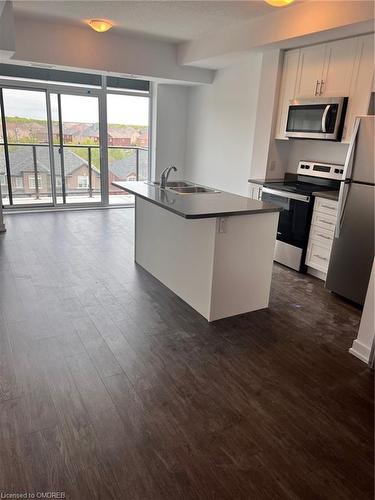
pixel 286 194
pixel 324 119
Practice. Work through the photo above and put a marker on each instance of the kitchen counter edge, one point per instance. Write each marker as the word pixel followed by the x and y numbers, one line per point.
pixel 329 195
pixel 264 208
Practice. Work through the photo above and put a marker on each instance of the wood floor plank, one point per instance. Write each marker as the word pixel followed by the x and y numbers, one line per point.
pixel 93 392
pixel 112 387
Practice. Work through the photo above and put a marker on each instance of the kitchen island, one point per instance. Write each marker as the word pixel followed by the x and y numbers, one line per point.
pixel 213 249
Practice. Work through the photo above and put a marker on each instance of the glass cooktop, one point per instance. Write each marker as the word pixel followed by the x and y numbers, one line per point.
pixel 306 188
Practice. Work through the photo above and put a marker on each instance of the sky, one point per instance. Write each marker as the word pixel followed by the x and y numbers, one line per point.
pixel 121 108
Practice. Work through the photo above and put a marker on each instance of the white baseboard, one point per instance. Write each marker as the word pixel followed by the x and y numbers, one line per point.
pixel 360 351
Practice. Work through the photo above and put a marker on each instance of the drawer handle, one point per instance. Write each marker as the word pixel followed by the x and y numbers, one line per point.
pixel 327 222
pixel 320 257
pixel 323 236
pixel 327 206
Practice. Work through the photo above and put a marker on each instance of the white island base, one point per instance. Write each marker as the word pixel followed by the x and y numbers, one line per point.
pixel 220 266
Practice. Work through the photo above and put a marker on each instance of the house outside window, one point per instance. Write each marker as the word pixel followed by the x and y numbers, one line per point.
pixel 83 182
pixel 32 182
pixel 2 180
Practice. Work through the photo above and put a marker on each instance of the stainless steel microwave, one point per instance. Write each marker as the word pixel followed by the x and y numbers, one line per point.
pixel 316 118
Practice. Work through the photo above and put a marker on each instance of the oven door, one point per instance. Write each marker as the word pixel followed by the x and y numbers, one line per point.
pixel 293 227
pixel 294 219
pixel 316 118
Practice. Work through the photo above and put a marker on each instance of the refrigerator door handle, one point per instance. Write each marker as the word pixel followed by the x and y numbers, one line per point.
pixel 344 188
pixel 349 155
pixel 343 195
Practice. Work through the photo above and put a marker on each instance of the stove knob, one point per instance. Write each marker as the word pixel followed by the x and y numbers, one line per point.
pixel 341 171
pixel 303 166
pixel 307 166
pixel 337 171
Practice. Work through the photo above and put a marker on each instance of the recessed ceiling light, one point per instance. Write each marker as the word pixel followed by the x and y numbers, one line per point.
pixel 279 3
pixel 100 25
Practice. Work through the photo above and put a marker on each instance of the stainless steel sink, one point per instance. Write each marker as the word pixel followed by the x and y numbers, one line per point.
pixel 178 184
pixel 183 187
pixel 170 184
pixel 192 189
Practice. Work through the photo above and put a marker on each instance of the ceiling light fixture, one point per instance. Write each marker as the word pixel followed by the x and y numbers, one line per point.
pixel 279 3
pixel 100 25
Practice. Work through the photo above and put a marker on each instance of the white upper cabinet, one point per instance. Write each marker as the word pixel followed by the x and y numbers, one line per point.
pixel 287 89
pixel 344 68
pixel 361 84
pixel 338 68
pixel 310 71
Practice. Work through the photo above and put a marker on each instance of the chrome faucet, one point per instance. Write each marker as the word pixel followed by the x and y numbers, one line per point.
pixel 165 174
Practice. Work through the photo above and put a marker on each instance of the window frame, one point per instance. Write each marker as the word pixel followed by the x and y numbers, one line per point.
pixel 19 185
pixel 101 93
pixel 40 181
pixel 79 178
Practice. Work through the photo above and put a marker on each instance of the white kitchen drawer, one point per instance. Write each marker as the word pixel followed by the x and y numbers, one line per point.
pixel 317 256
pixel 324 220
pixel 325 206
pixel 322 236
pixel 255 191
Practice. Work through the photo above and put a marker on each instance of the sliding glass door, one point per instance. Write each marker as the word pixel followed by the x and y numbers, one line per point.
pixel 25 166
pixel 75 131
pixel 128 132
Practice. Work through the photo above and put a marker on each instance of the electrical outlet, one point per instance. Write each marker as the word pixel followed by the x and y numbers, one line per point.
pixel 223 224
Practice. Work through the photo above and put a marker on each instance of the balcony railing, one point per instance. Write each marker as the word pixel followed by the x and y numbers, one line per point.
pixel 60 171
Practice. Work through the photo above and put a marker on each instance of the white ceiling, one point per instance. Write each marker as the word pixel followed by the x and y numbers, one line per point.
pixel 176 20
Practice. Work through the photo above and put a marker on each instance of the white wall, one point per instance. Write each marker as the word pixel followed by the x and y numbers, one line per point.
pixel 269 158
pixel 169 127
pixel 220 127
pixel 7 37
pixel 321 151
pixel 366 334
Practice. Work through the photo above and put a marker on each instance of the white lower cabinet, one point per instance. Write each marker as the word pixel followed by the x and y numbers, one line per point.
pixel 321 236
pixel 317 256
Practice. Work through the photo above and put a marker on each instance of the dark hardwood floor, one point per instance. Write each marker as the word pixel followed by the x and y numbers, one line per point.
pixel 111 387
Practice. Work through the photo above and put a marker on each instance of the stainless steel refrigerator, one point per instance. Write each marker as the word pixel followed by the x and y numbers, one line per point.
pixel 353 246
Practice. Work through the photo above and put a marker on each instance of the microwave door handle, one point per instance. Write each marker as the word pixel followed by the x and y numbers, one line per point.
pixel 324 118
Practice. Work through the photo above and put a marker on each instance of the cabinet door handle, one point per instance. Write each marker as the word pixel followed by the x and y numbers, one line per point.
pixel 323 236
pixel 316 87
pixel 326 222
pixel 320 257
pixel 321 87
pixel 328 206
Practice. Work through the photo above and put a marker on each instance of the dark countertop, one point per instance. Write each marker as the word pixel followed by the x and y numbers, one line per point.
pixel 329 195
pixel 197 205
